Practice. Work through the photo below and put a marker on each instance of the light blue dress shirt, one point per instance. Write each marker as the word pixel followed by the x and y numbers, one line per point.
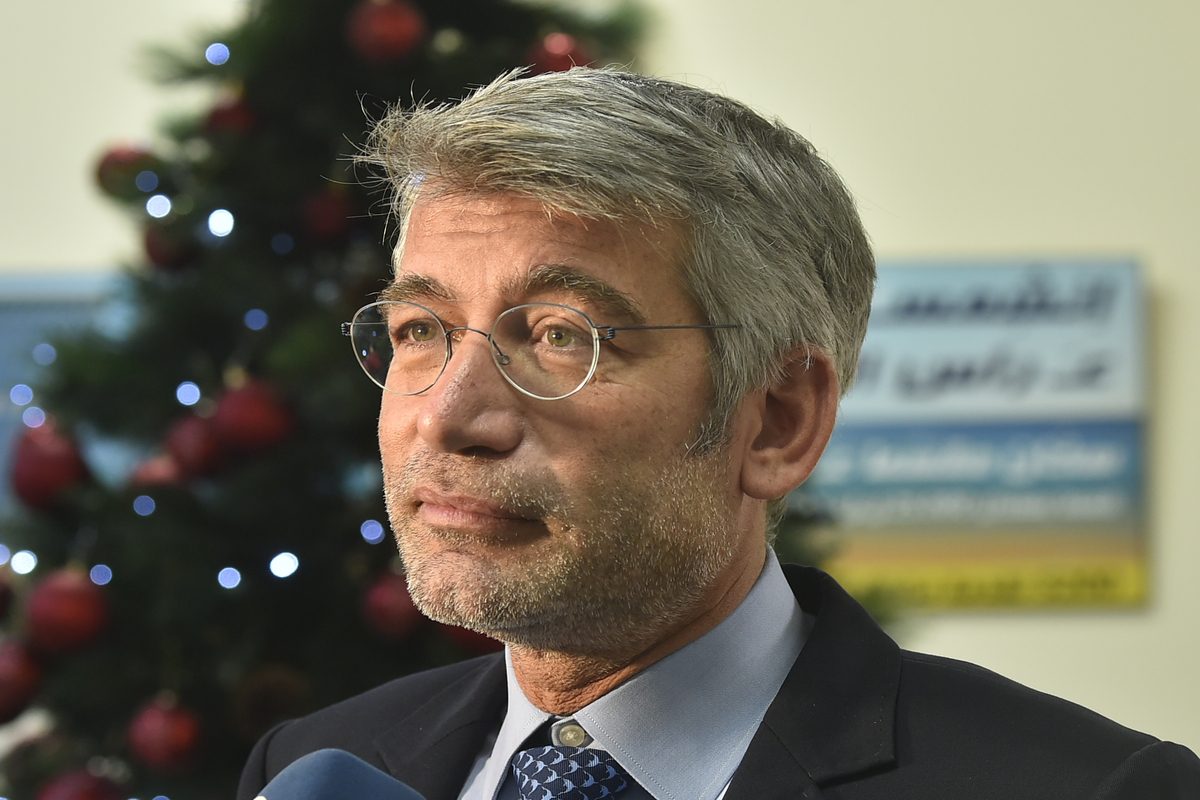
pixel 682 726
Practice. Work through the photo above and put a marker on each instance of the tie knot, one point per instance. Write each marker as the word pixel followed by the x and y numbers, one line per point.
pixel 567 773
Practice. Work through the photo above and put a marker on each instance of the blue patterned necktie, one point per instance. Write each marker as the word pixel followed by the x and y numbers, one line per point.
pixel 567 773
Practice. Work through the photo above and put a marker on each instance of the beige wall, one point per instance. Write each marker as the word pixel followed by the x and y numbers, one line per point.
pixel 1059 126
pixel 71 83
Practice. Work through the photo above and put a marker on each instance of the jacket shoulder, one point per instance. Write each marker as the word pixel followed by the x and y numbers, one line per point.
pixel 946 688
pixel 971 721
pixel 358 720
pixel 356 724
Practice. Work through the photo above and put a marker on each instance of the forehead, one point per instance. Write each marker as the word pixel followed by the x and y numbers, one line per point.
pixel 484 245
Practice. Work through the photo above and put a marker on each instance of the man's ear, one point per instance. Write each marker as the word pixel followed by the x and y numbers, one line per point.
pixel 796 417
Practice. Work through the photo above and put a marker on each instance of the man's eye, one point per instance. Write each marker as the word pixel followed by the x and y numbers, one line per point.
pixel 418 331
pixel 560 337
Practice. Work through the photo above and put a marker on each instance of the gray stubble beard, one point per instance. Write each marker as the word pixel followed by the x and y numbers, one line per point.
pixel 630 562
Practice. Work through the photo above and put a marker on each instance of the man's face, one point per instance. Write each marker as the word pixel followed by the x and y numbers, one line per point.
pixel 578 525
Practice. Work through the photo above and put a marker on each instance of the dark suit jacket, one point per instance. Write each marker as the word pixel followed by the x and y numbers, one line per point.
pixel 857 719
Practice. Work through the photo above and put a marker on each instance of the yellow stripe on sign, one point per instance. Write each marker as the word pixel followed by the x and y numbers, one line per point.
pixel 1086 581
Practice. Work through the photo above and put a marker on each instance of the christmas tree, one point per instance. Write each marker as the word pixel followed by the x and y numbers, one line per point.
pixel 240 573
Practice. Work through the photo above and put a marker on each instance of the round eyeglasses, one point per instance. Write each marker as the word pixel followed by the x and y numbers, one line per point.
pixel 544 350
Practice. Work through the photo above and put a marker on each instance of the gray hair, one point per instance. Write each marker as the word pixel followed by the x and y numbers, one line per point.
pixel 772 238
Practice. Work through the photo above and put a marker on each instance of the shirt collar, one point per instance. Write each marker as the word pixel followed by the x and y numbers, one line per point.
pixel 681 726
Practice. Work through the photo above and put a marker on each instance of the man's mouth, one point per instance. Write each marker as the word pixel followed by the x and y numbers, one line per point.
pixel 453 510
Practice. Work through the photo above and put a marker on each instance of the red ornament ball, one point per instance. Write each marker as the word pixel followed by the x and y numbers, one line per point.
pixel 117 171
pixel 170 246
pixel 65 612
pixel 45 464
pixel 80 785
pixel 192 443
pixel 557 52
pixel 20 677
pixel 388 608
pixel 251 418
pixel 164 735
pixel 230 117
pixel 159 470
pixel 471 641
pixel 383 31
pixel 327 214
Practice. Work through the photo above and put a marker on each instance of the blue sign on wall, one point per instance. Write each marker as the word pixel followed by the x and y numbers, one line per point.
pixel 991 450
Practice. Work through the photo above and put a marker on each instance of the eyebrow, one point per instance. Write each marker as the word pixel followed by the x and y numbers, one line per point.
pixel 411 287
pixel 586 288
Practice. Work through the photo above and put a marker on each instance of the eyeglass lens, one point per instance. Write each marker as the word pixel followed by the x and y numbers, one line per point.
pixel 544 349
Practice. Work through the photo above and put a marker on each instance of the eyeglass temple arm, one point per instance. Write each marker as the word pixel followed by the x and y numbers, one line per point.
pixel 608 332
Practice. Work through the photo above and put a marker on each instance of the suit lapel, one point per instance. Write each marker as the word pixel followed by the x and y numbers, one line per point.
pixel 834 716
pixel 434 747
pixel 770 771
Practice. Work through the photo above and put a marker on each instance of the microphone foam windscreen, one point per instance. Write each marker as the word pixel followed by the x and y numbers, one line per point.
pixel 335 775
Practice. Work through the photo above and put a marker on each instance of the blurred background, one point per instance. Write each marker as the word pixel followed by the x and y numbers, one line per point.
pixel 1058 128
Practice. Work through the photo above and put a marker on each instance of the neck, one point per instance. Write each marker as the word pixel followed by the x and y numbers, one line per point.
pixel 563 683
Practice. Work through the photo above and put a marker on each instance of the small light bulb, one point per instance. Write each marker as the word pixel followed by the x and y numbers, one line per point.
pixel 220 223
pixel 158 206
pixel 23 562
pixel 216 53
pixel 187 393
pixel 33 417
pixel 256 319
pixel 282 244
pixel 372 531
pixel 20 395
pixel 284 565
pixel 229 578
pixel 146 180
pixel 44 354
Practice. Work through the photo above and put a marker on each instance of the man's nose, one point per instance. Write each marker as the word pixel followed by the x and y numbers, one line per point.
pixel 471 409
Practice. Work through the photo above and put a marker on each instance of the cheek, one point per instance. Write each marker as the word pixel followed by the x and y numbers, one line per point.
pixel 394 425
pixel 628 426
pixel 669 405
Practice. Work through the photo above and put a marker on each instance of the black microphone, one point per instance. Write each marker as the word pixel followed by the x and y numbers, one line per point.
pixel 334 775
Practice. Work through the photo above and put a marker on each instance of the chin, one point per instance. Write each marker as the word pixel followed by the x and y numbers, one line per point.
pixel 450 586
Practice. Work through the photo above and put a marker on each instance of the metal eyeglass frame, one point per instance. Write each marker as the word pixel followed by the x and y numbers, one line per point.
pixel 600 333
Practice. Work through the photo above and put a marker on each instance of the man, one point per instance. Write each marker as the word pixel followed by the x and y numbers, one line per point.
pixel 622 315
